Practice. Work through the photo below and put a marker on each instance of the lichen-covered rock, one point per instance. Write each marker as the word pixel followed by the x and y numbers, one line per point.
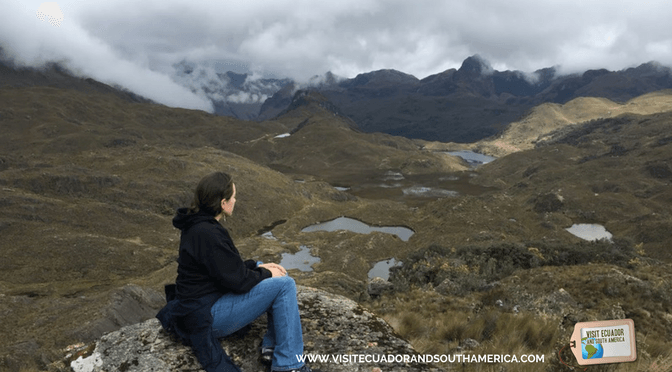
pixel 333 326
pixel 128 305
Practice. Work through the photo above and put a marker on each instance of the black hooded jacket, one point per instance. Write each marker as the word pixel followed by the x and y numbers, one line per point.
pixel 209 265
pixel 209 261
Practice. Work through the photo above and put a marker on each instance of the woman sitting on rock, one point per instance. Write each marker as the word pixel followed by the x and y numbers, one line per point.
pixel 218 293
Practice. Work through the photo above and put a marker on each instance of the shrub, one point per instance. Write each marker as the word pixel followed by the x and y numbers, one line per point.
pixel 475 268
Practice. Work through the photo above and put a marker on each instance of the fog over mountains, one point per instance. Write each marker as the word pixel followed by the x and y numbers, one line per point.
pixel 457 105
pixel 232 94
pixel 461 105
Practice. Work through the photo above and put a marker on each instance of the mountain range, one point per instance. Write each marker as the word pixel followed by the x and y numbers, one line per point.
pixel 456 105
pixel 461 105
pixel 469 103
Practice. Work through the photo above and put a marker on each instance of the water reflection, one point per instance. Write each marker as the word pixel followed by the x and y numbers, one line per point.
pixel 382 268
pixel 301 260
pixel 473 158
pixel 345 223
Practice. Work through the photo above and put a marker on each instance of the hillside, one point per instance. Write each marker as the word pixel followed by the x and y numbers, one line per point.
pixel 89 182
pixel 549 117
pixel 54 75
pixel 502 271
pixel 325 144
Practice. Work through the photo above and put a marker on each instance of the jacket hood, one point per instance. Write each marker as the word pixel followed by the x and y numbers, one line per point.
pixel 183 220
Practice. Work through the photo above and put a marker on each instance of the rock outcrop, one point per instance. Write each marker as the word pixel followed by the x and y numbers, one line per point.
pixel 333 326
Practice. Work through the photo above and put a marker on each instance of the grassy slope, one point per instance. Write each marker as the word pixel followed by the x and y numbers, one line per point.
pixel 548 117
pixel 89 182
pixel 614 172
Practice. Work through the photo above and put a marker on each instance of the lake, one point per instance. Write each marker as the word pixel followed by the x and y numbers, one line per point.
pixel 349 224
pixel 473 158
pixel 301 260
pixel 382 268
pixel 590 232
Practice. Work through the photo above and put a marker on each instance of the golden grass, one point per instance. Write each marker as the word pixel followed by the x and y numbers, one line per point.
pixel 440 325
pixel 547 117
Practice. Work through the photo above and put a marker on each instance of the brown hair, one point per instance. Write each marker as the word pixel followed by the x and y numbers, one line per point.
pixel 210 192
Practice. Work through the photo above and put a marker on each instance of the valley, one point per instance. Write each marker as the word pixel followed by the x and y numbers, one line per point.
pixel 89 183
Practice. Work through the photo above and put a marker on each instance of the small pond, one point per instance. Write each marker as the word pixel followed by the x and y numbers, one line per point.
pixel 382 268
pixel 471 157
pixel 301 260
pixel 590 232
pixel 269 235
pixel 349 224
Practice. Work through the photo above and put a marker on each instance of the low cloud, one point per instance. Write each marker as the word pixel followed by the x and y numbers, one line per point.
pixel 245 97
pixel 28 41
pixel 136 44
pixel 209 79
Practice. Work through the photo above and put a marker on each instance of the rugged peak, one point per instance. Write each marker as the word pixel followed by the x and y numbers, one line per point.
pixel 475 66
pixel 592 74
pixel 330 77
pixel 334 326
pixel 307 97
pixel 546 74
pixel 326 80
pixel 315 101
pixel 277 103
pixel 651 68
pixel 383 77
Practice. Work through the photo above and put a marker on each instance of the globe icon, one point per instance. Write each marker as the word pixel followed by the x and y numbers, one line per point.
pixel 591 350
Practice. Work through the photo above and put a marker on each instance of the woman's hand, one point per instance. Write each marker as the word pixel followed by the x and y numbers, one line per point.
pixel 275 269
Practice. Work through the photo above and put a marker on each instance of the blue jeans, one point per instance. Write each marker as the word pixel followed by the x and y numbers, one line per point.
pixel 277 298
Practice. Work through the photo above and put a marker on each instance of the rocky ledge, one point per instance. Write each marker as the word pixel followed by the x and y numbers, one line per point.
pixel 334 326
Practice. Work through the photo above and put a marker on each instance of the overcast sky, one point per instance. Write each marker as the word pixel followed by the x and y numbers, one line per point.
pixel 135 43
